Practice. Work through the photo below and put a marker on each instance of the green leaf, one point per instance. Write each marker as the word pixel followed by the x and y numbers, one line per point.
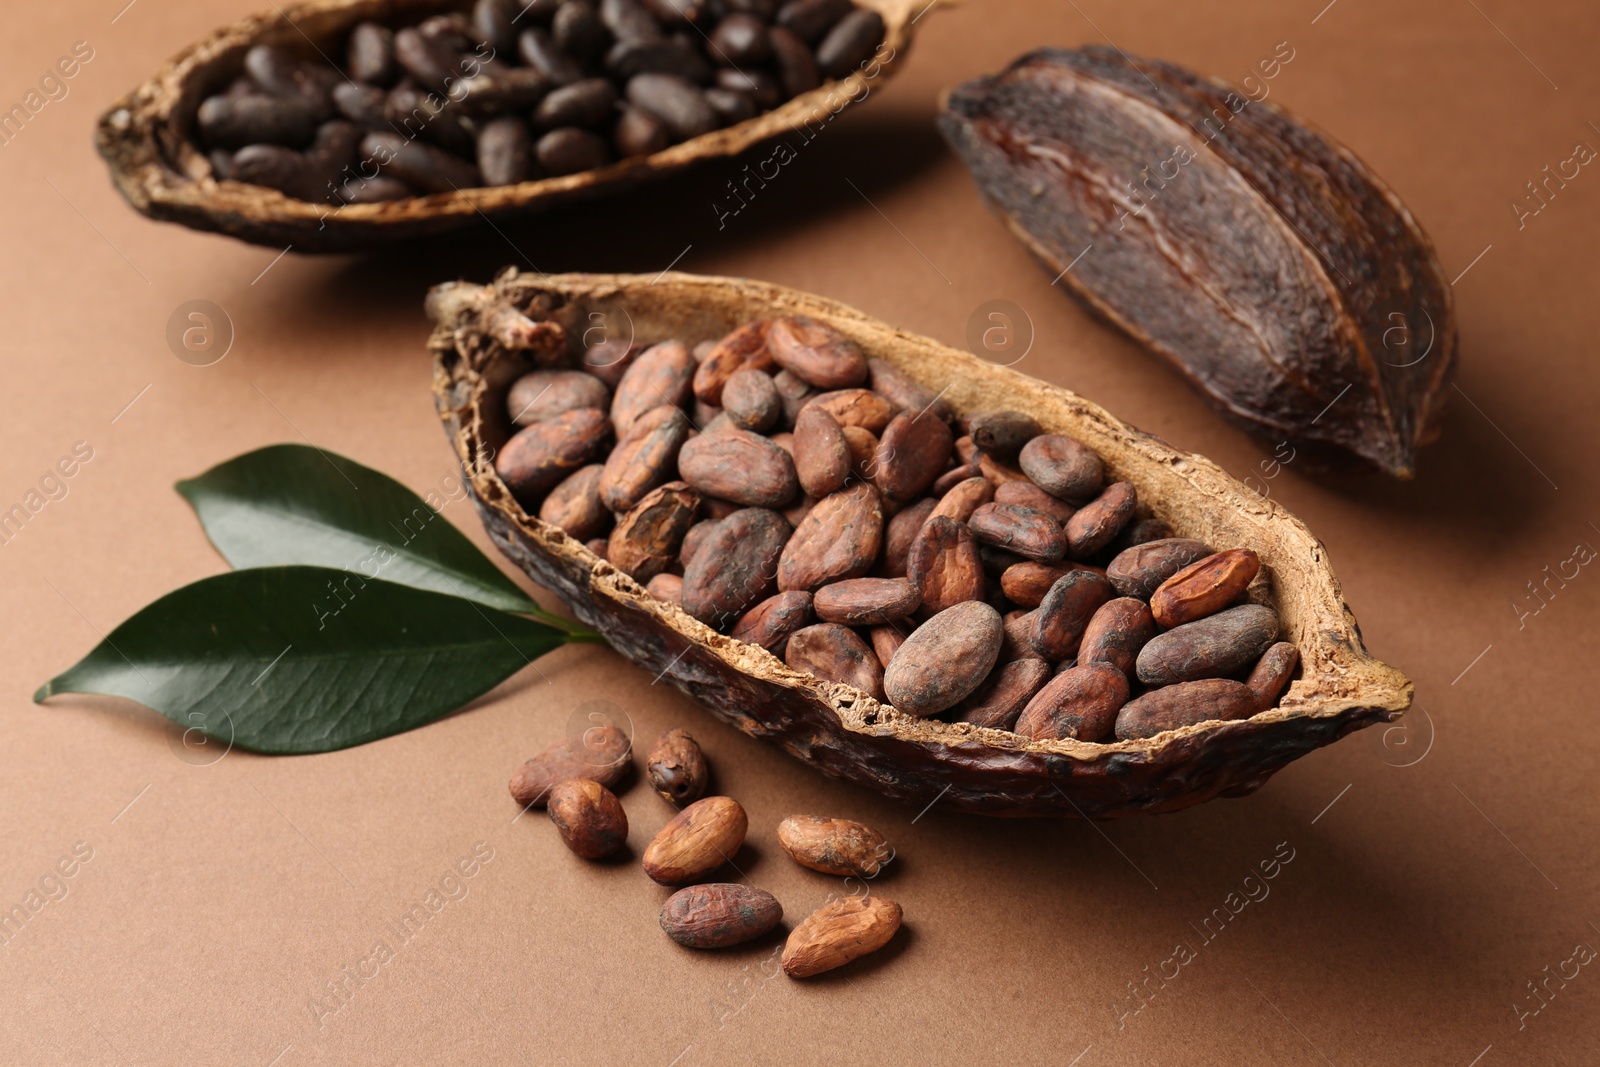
pixel 287 504
pixel 306 659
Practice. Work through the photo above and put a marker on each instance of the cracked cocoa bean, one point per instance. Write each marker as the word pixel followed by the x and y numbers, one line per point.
pixel 836 653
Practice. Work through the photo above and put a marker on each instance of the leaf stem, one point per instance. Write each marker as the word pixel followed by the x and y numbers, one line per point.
pixel 573 631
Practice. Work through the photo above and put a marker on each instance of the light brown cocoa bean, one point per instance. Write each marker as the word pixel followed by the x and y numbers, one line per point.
pixel 839 539
pixel 1140 570
pixel 598 545
pixel 646 539
pixel 840 931
pixel 966 451
pixel 954 477
pixel 736 568
pixel 576 507
pixel 1001 698
pixel 740 466
pixel 904 391
pixel 1271 673
pixel 1029 533
pixel 962 499
pixel 699 839
pixel 544 394
pixel 744 347
pixel 589 817
pixel 751 400
pixel 717 509
pixel 1116 633
pixel 944 564
pixel 610 360
pixel 913 450
pixel 676 768
pixel 836 653
pixel 770 622
pixel 1026 583
pixel 1002 433
pixel 945 659
pixel 1026 494
pixel 540 457
pixel 822 459
pixel 719 915
pixel 997 472
pixel 856 407
pixel 1018 642
pixel 866 601
pixel 1213 647
pixel 816 353
pixel 1062 467
pixel 899 534
pixel 1065 613
pixel 1204 587
pixel 794 393
pixel 1080 702
pixel 1173 707
pixel 667 587
pixel 834 846
pixel 863 446
pixel 886 641
pixel 601 753
pixel 660 375
pixel 647 456
pixel 797 512
pixel 1093 526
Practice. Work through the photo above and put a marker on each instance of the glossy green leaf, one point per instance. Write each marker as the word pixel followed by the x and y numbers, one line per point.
pixel 306 659
pixel 294 504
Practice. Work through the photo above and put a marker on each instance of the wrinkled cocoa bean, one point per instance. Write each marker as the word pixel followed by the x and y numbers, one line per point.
pixel 645 457
pixel 945 659
pixel 1173 707
pixel 1093 526
pixel 944 564
pixel 866 601
pixel 771 622
pixel 839 539
pixel 1028 533
pixel 913 451
pixel 856 407
pixel 576 507
pixel 1081 703
pixel 646 539
pixel 719 915
pixel 1065 612
pixel 1212 647
pixel 1204 587
pixel 1139 571
pixel 1062 467
pixel 601 753
pixel 699 839
pixel 676 768
pixel 735 569
pixel 538 458
pixel 589 817
pixel 1116 633
pixel 659 375
pixel 997 703
pixel 835 653
pixel 834 846
pixel 1271 673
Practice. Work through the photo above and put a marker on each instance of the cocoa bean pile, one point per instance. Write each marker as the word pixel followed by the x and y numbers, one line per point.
pixel 787 490
pixel 518 91
pixel 574 782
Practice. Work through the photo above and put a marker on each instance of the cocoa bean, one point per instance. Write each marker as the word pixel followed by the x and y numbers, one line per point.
pixel 735 569
pixel 647 456
pixel 544 394
pixel 1173 707
pixel 576 507
pixel 1002 434
pixel 811 19
pixel 963 498
pixel 794 393
pixel 1080 702
pixel 821 455
pixel 370 57
pixel 904 391
pixel 886 641
pixel 639 133
pixel 866 601
pixel 589 817
pixel 954 477
pixel 238 121
pixel 1204 587
pixel 945 659
pixel 944 564
pixel 1026 583
pixel 661 374
pixel 1001 698
pixel 1093 526
pixel 646 539
pixel 694 539
pixel 840 931
pixel 1026 494
pixel 863 448
pixel 850 43
pixel 1018 642
pixel 856 407
pixel 719 915
pixel 1027 532
pixel 899 535
pixel 1116 633
pixel 966 451
pixel 1065 612
pixel 587 102
pixel 1139 571
pixel 699 839
pixel 834 846
pixel 539 457
pixel 674 100
pixel 739 466
pixel 796 67
pixel 1271 673
pixel 771 622
pixel 839 539
pixel 816 353
pixel 997 472
pixel 744 347
pixel 913 451
pixel 835 653
pixel 1212 647
pixel 751 400
pixel 570 150
pixel 600 753
pixel 667 587
pixel 419 165
pixel 1139 532
pixel 676 768
pixel 1062 467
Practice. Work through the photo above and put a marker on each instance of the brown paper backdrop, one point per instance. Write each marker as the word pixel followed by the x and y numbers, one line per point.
pixel 1430 881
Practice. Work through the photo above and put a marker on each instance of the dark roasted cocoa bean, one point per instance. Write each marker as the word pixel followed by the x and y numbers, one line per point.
pixel 850 43
pixel 495 23
pixel 676 56
pixel 287 77
pixel 1080 702
pixel 639 133
pixel 810 20
pixel 645 457
pixel 719 915
pixel 659 375
pixel 544 394
pixel 1093 526
pixel 363 104
pixel 429 61
pixel 904 391
pixel 1139 571
pixel 589 817
pixel 835 653
pixel 1002 433
pixel 589 102
pixel 421 166
pixel 740 466
pixel 576 507
pixel 886 641
pixel 744 347
pixel 274 167
pixel 962 499
pixel 537 458
pixel 816 353
pixel 629 20
pixel 569 150
pixel 600 753
pixel 646 539
pixel 866 601
pixel 751 401
pixel 505 151
pixel 945 659
pixel 910 455
pixel 1062 467
pixel 1176 706
pixel 796 66
pixel 1116 633
pixel 506 89
pixel 539 51
pixel 821 454
pixel 453 30
pixel 740 41
pixel 736 568
pixel 1027 532
pixel 856 407
pixel 238 121
pixel 770 622
pixel 676 768
pixel 370 58
pixel 1204 587
pixel 1001 698
pixel 1271 673
pixel 577 30
pixel 676 101
pixel 1212 647
pixel 1065 612
pixel 944 564
pixel 839 539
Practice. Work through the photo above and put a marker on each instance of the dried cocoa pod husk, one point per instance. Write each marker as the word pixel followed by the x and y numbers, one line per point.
pixel 719 915
pixel 1330 261
pixel 676 768
pixel 845 731
pixel 834 846
pixel 144 137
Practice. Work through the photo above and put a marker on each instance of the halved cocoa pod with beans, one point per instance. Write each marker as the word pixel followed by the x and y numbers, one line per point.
pixel 1178 752
pixel 451 143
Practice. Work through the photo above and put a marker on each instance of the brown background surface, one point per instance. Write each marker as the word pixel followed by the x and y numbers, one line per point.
pixel 1431 879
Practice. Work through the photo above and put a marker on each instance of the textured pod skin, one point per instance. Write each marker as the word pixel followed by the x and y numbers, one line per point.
pixel 698 840
pixel 589 817
pixel 834 846
pixel 838 729
pixel 676 768
pixel 1270 338
pixel 719 915
pixel 838 932
pixel 601 754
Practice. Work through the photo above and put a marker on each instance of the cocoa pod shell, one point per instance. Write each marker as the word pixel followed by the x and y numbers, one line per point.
pixel 601 754
pixel 676 768
pixel 699 839
pixel 589 817
pixel 840 931
pixel 834 846
pixel 719 915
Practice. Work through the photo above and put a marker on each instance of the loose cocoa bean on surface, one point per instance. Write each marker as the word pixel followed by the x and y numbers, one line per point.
pixel 1173 707
pixel 945 659
pixel 1212 647
pixel 840 931
pixel 699 839
pixel 836 653
pixel 1139 571
pixel 676 768
pixel 601 754
pixel 589 817
pixel 834 846
pixel 719 915
pixel 1204 587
